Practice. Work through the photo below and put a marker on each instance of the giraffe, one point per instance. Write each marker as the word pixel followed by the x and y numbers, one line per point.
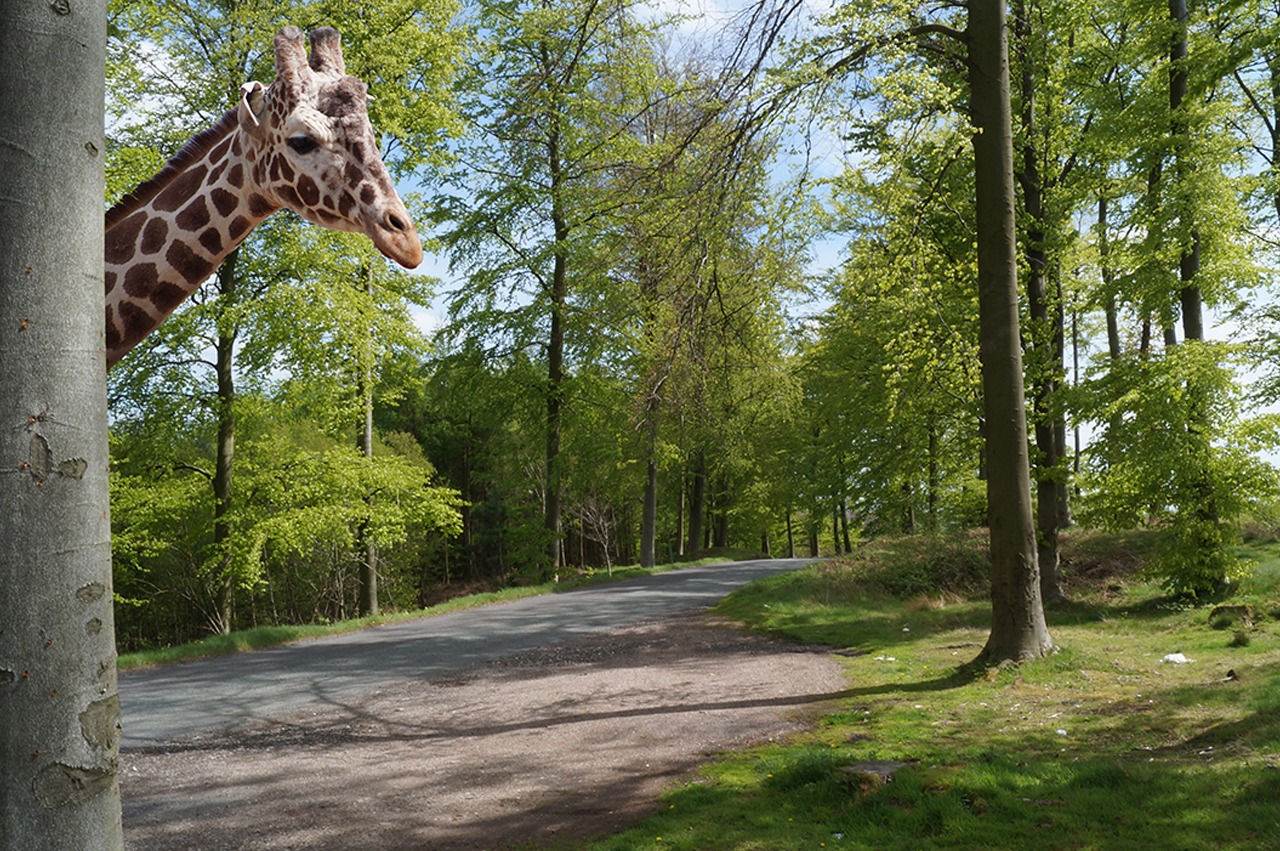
pixel 303 143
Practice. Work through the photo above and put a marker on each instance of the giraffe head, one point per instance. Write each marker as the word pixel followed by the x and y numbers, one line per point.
pixel 313 150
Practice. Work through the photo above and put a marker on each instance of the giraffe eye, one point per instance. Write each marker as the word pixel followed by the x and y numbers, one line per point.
pixel 302 144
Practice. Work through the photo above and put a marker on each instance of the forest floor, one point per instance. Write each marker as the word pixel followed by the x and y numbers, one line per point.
pixel 546 748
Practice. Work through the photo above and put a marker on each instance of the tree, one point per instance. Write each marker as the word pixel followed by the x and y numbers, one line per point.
pixel 60 738
pixel 1178 454
pixel 1018 629
pixel 529 234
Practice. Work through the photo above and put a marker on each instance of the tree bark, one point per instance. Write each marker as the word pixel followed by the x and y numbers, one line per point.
pixel 649 514
pixel 1046 332
pixel 59 707
pixel 225 450
pixel 364 540
pixel 1189 262
pixel 1108 275
pixel 697 504
pixel 555 355
pixel 1018 629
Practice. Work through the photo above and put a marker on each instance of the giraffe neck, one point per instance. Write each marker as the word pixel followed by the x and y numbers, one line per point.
pixel 172 232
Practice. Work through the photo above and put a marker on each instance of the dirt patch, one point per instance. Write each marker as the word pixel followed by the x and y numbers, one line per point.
pixel 542 748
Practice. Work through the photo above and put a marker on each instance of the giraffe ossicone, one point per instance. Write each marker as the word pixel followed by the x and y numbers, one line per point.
pixel 303 143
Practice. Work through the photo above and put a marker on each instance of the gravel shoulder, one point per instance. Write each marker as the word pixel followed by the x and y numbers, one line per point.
pixel 542 748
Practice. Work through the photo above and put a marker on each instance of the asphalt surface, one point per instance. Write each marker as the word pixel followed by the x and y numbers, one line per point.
pixel 181 702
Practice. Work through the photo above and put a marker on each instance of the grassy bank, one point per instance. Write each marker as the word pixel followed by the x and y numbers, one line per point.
pixel 1104 745
pixel 268 636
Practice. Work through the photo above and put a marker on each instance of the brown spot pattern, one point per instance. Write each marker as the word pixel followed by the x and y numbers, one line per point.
pixel 308 191
pixel 181 189
pixel 187 263
pixel 211 239
pixel 113 333
pixel 194 216
pixel 235 176
pixel 154 235
pixel 260 207
pixel 223 201
pixel 289 196
pixel 167 297
pixel 122 240
pixel 134 321
pixel 141 279
pixel 238 228
pixel 220 151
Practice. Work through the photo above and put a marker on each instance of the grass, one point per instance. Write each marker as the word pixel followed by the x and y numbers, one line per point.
pixel 1102 745
pixel 269 636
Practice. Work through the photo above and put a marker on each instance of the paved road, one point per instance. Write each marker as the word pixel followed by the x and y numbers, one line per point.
pixel 182 701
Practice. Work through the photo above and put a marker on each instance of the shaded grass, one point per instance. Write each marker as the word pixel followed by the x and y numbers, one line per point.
pixel 269 636
pixel 1102 745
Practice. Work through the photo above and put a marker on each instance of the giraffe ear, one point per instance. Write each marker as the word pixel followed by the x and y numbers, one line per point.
pixel 252 106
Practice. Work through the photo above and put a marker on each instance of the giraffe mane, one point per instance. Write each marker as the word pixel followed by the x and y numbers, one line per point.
pixel 192 152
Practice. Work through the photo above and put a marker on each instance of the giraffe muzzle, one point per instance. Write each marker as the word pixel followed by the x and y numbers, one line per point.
pixel 397 238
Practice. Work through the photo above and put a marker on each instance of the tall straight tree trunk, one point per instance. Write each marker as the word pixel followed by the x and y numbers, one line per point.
pixel 225 450
pixel 368 603
pixel 1046 329
pixel 680 501
pixel 1018 629
pixel 1273 70
pixel 720 531
pixel 1108 275
pixel 1189 262
pixel 59 707
pixel 649 502
pixel 558 297
pixel 649 514
pixel 697 504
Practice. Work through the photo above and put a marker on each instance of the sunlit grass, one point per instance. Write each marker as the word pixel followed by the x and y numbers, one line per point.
pixel 1103 745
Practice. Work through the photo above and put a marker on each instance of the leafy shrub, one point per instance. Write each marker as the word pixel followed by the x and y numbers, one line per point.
pixel 948 564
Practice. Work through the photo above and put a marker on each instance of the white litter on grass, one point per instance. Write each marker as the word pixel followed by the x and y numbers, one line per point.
pixel 1176 658
pixel 885 659
pixel 1061 732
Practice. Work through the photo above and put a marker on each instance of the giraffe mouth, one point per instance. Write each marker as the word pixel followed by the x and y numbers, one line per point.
pixel 397 238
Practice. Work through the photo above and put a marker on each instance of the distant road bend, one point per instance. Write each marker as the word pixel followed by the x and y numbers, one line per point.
pixel 180 702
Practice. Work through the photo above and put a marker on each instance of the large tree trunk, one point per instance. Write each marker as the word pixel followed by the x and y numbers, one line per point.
pixel 225 450
pixel 1189 263
pixel 649 515
pixel 1018 629
pixel 697 504
pixel 364 540
pixel 59 708
pixel 1046 333
pixel 555 353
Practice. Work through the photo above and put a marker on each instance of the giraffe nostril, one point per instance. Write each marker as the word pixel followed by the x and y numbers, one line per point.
pixel 396 223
